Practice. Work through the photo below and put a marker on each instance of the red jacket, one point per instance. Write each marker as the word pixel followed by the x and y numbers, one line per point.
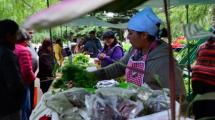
pixel 25 62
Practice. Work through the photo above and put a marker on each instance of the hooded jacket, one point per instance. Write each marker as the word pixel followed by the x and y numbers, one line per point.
pixel 157 68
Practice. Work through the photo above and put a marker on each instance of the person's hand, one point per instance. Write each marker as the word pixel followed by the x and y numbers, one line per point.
pixel 102 56
pixel 96 61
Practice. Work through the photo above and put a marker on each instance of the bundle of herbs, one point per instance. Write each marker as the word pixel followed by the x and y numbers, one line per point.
pixel 77 76
pixel 81 59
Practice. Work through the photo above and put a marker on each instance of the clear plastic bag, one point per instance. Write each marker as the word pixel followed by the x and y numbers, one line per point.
pixel 109 107
pixel 107 83
pixel 69 104
pixel 158 101
pixel 144 92
pixel 114 91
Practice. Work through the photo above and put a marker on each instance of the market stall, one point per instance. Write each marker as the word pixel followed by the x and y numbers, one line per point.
pixel 33 23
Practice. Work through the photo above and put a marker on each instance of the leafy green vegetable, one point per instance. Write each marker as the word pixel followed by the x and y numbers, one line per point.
pixel 126 85
pixel 81 59
pixel 78 75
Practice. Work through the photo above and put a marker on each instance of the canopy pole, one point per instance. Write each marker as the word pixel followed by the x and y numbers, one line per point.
pixel 50 34
pixel 188 56
pixel 171 63
pixel 50 30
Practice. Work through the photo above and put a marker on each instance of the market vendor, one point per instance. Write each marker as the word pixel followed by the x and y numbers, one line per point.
pixel 148 54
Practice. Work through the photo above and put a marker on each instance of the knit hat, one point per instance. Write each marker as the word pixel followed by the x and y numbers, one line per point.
pixel 145 21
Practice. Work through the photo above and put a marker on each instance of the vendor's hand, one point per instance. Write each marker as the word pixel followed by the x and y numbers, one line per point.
pixel 102 56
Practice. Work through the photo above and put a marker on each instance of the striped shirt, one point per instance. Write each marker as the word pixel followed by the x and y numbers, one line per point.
pixel 204 70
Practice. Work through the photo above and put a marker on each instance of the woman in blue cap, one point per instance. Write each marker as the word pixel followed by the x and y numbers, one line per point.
pixel 112 50
pixel 148 58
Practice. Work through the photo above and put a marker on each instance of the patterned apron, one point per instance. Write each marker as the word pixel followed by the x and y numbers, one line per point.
pixel 133 76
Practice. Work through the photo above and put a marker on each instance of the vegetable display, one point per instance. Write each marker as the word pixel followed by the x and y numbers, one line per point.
pixel 77 76
pixel 81 59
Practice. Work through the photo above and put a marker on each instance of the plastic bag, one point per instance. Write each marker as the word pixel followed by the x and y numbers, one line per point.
pixel 68 104
pixel 107 83
pixel 144 92
pixel 76 96
pixel 114 91
pixel 158 101
pixel 102 107
pixel 129 109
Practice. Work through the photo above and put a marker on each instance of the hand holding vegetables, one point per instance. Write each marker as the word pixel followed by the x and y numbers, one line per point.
pixel 102 56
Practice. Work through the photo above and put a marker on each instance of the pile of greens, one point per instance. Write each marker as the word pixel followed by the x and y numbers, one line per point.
pixel 81 59
pixel 78 75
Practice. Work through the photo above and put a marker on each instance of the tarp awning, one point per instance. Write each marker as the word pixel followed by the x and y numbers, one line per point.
pixel 93 21
pixel 160 4
pixel 67 10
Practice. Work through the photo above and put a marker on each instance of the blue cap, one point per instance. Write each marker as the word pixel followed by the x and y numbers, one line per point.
pixel 144 21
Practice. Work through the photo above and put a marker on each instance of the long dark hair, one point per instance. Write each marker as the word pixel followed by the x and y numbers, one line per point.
pixel 113 44
pixel 43 48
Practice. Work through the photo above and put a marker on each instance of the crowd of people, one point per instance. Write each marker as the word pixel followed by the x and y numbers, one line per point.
pixel 145 62
pixel 21 65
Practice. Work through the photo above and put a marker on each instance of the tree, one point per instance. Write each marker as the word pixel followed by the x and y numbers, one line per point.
pixel 199 14
pixel 19 10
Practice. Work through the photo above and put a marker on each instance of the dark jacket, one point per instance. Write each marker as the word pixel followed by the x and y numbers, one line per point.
pixel 90 48
pixel 11 85
pixel 46 64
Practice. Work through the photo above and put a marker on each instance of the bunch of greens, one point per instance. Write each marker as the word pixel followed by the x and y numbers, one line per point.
pixel 78 75
pixel 81 59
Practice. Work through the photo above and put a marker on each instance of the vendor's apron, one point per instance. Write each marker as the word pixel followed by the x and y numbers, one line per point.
pixel 133 76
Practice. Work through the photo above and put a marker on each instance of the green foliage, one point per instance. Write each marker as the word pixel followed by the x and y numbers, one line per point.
pixel 199 14
pixel 81 59
pixel 126 85
pixel 19 10
pixel 186 82
pixel 60 84
pixel 126 46
pixel 182 56
pixel 78 75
